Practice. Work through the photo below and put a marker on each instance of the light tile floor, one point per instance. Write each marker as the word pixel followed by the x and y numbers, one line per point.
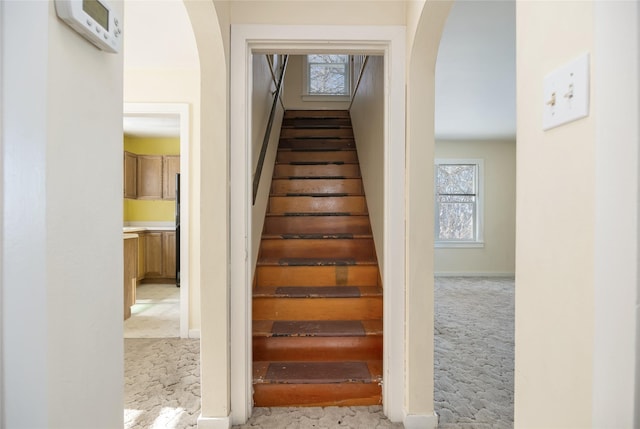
pixel 156 313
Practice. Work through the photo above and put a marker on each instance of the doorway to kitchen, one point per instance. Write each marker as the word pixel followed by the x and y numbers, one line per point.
pixel 156 181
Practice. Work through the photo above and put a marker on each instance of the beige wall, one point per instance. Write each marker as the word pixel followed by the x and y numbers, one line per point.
pixel 262 100
pixel 555 227
pixel 62 253
pixel 497 257
pixel 367 116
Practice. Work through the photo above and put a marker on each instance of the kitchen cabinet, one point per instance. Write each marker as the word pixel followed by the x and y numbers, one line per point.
pixel 157 256
pixel 149 177
pixel 130 175
pixel 153 255
pixel 170 167
pixel 130 272
pixel 169 254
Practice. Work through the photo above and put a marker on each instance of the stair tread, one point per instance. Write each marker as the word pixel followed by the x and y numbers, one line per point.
pixel 264 328
pixel 315 236
pixel 314 262
pixel 316 291
pixel 317 372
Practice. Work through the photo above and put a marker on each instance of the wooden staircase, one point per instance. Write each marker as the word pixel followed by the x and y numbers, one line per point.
pixel 317 298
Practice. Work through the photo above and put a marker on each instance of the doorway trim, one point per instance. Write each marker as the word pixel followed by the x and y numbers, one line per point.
pixel 388 41
pixel 181 110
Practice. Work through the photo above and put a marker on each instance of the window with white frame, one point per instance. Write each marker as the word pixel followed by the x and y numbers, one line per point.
pixel 328 75
pixel 458 203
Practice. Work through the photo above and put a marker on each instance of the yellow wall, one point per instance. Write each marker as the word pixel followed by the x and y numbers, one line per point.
pixel 150 210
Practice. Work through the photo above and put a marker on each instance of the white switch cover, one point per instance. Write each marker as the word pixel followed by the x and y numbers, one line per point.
pixel 566 93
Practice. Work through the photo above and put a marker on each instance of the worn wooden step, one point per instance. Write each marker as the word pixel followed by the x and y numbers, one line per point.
pixel 317 383
pixel 279 275
pixel 337 132
pixel 363 308
pixel 287 186
pixel 313 340
pixel 289 114
pixel 316 122
pixel 317 144
pixel 316 291
pixel 360 250
pixel 317 204
pixel 307 171
pixel 280 224
pixel 345 156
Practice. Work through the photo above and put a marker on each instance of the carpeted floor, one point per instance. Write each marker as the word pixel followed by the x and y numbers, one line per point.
pixel 474 355
pixel 474 352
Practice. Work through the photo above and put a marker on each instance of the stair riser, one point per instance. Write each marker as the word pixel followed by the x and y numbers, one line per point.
pixel 317 186
pixel 288 133
pixel 315 122
pixel 317 348
pixel 357 225
pixel 279 205
pixel 316 276
pixel 363 308
pixel 337 156
pixel 331 170
pixel 303 114
pixel 358 249
pixel 323 144
pixel 317 395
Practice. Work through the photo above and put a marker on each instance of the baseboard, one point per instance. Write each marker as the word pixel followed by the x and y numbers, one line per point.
pixel 421 421
pixel 194 333
pixel 466 274
pixel 214 422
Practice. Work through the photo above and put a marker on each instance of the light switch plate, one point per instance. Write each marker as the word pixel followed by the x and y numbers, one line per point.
pixel 566 93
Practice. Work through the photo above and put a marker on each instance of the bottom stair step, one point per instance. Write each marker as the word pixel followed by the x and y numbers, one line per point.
pixel 318 372
pixel 317 383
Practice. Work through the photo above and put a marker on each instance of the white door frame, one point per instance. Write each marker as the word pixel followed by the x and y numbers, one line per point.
pixel 381 40
pixel 181 110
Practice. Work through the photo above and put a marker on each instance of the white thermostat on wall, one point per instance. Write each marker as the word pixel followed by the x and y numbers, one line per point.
pixel 93 19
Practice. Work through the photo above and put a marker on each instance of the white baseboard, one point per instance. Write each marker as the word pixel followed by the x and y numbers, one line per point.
pixel 466 274
pixel 194 333
pixel 214 422
pixel 421 421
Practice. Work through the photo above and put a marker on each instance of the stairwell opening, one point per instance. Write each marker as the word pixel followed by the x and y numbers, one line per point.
pixel 322 230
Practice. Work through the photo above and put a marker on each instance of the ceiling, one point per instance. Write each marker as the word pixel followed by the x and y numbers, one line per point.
pixel 476 72
pixel 475 69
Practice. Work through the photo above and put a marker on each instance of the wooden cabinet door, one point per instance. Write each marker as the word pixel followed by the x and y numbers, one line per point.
pixel 153 254
pixel 169 254
pixel 142 269
pixel 149 177
pixel 130 175
pixel 130 274
pixel 171 166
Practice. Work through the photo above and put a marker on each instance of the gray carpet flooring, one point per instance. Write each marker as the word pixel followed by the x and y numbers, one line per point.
pixel 474 352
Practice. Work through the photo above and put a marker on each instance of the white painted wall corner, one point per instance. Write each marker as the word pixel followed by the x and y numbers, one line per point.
pixel 214 422
pixel 421 421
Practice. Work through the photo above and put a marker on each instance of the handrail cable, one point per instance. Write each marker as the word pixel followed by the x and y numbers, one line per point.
pixel 267 134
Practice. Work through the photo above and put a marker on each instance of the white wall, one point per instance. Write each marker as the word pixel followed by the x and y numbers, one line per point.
pixel 262 100
pixel 62 239
pixel 497 257
pixel 367 117
pixel 555 226
pixel 616 360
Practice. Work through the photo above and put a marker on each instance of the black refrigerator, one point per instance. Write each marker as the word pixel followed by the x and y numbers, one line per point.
pixel 177 215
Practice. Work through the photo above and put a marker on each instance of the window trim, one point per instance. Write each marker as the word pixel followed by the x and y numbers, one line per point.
pixel 306 96
pixel 479 218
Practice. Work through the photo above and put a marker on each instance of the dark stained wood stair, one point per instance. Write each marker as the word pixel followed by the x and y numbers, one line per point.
pixel 317 297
